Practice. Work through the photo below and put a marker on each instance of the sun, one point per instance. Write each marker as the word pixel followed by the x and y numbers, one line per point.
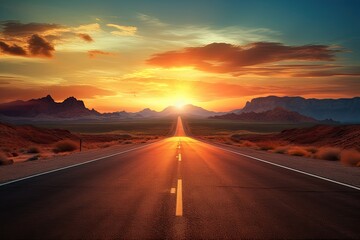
pixel 179 104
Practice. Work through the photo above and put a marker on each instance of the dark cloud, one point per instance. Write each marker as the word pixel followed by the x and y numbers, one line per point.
pixel 86 37
pixel 12 50
pixel 15 28
pixel 228 58
pixel 38 46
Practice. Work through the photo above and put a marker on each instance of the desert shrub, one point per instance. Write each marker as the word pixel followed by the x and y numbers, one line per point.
pixel 328 153
pixel 127 142
pixel 14 154
pixel 4 160
pixel 33 150
pixel 65 146
pixel 246 143
pixel 266 146
pixel 350 157
pixel 33 158
pixel 312 149
pixel 281 149
pixel 298 151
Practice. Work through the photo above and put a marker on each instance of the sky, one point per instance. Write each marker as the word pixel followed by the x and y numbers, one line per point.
pixel 217 54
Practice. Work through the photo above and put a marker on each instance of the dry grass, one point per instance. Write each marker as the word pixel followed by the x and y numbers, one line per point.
pixel 65 146
pixel 298 151
pixel 328 153
pixel 4 160
pixel 350 157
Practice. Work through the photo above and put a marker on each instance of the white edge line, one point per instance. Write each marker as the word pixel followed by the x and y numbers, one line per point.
pixel 173 190
pixel 71 166
pixel 292 169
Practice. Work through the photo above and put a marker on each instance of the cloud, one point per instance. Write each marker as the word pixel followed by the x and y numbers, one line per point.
pixel 123 30
pixel 40 47
pixel 85 37
pixel 95 53
pixel 39 39
pixel 15 28
pixel 151 20
pixel 12 50
pixel 229 58
pixel 92 27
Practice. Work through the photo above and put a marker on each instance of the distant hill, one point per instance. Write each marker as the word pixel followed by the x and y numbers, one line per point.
pixel 277 114
pixel 187 110
pixel 47 107
pixel 343 136
pixel 24 136
pixel 344 110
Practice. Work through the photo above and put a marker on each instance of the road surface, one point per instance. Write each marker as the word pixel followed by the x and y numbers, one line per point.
pixel 178 188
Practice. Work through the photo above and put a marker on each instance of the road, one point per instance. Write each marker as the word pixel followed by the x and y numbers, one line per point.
pixel 178 188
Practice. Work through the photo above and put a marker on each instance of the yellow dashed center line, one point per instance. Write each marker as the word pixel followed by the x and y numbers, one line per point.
pixel 179 203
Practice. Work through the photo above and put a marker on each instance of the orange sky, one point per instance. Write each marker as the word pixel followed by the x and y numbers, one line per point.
pixel 129 63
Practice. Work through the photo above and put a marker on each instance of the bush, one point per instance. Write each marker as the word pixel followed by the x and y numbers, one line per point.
pixel 266 146
pixel 33 150
pixel 4 160
pixel 312 150
pixel 350 157
pixel 328 153
pixel 65 146
pixel 281 149
pixel 14 154
pixel 246 143
pixel 298 151
pixel 33 158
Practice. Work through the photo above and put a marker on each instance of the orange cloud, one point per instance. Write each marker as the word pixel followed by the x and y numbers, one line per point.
pixel 85 37
pixel 237 60
pixel 95 53
pixel 122 30
pixel 12 50
pixel 15 28
pixel 38 46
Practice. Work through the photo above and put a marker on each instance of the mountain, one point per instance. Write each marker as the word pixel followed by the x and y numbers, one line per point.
pixel 277 114
pixel 147 112
pixel 344 109
pixel 187 110
pixel 47 107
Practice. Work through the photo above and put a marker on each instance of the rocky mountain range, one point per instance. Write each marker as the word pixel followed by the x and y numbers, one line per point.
pixel 277 114
pixel 72 108
pixel 290 109
pixel 343 110
pixel 47 107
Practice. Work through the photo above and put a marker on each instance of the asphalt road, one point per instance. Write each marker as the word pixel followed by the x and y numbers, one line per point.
pixel 178 188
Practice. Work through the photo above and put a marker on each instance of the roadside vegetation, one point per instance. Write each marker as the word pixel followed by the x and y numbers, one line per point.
pixel 263 136
pixel 44 140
